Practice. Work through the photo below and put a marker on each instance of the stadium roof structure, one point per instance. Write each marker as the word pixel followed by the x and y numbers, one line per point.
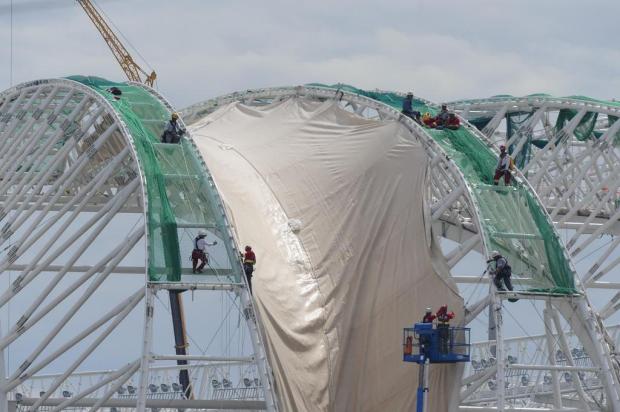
pixel 363 216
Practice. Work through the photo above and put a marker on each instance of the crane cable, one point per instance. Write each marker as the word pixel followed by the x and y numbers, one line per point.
pixel 122 35
pixel 11 48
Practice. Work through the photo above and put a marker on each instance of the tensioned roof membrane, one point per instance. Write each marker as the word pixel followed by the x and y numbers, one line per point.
pixel 333 205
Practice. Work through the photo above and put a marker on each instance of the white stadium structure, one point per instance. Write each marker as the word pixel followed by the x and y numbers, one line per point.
pixel 360 218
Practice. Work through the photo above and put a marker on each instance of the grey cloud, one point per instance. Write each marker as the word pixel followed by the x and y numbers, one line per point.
pixel 443 50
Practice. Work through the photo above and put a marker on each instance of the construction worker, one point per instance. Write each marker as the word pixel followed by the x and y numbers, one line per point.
pixel 503 167
pixel 408 108
pixel 501 271
pixel 173 131
pixel 443 328
pixel 116 92
pixel 425 339
pixel 249 260
pixel 199 254
pixel 442 117
pixel 428 316
pixel 453 122
pixel 428 120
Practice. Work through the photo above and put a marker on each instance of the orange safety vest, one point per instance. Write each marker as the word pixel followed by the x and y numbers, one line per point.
pixel 409 346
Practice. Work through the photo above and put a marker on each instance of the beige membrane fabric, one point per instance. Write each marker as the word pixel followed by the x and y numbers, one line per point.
pixel 333 205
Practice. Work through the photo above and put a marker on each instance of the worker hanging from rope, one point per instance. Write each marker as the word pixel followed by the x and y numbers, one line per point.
pixel 504 165
pixel 501 272
pixel 199 254
pixel 173 131
pixel 443 328
pixel 249 260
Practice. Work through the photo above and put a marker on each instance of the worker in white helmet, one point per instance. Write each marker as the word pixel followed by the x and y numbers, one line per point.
pixel 199 254
pixel 500 270
pixel 428 316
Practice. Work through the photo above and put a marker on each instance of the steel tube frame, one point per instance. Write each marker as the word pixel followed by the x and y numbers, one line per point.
pixel 26 321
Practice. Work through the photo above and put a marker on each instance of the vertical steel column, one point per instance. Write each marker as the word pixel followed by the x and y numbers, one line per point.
pixel 557 394
pixel 259 349
pixel 3 398
pixel 180 338
pixel 496 307
pixel 147 343
pixel 569 359
pixel 601 351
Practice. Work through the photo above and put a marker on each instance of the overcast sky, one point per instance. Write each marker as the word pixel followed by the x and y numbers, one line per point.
pixel 442 50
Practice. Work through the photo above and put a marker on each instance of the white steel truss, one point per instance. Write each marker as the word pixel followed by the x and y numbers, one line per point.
pixel 72 240
pixel 576 177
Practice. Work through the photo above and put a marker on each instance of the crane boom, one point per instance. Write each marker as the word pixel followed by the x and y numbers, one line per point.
pixel 132 70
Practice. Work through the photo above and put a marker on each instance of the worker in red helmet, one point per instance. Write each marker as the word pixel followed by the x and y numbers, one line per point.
pixel 443 328
pixel 443 316
pixel 503 167
pixel 249 260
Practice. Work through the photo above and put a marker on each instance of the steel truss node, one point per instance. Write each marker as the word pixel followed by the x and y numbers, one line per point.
pixel 73 229
pixel 454 214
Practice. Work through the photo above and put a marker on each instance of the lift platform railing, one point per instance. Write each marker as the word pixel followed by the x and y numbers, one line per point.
pixel 441 344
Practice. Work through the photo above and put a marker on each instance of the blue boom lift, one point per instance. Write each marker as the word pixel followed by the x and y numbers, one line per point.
pixel 425 343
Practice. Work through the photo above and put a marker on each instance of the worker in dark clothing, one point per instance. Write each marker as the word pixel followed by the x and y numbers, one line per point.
pixel 173 131
pixel 408 108
pixel 425 339
pixel 116 92
pixel 501 272
pixel 199 254
pixel 442 117
pixel 249 260
pixel 503 167
pixel 443 328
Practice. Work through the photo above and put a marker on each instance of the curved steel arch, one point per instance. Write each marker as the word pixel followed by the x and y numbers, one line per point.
pixel 71 185
pixel 577 180
pixel 455 216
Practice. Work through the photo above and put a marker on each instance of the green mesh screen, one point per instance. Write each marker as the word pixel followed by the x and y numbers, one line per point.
pixel 180 199
pixel 512 220
pixel 480 122
pixel 610 121
pixel 514 121
pixel 584 129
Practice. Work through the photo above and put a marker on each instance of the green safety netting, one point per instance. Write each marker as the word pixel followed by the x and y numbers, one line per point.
pixel 610 121
pixel 583 131
pixel 480 122
pixel 512 219
pixel 514 121
pixel 180 199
